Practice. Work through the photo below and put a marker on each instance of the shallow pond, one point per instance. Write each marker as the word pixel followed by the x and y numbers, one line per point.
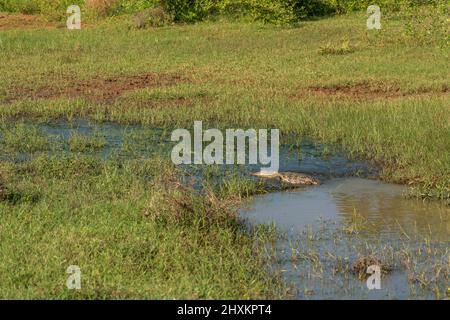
pixel 327 228
pixel 131 141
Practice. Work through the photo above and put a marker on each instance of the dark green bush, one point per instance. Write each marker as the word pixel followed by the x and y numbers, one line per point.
pixel 127 6
pixel 47 7
pixel 190 10
pixel 308 8
pixel 268 11
pixel 342 6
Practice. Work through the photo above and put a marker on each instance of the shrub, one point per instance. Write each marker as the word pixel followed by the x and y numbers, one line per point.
pixel 427 25
pixel 308 8
pixel 151 17
pixel 99 8
pixel 52 10
pixel 342 6
pixel 127 6
pixel 268 11
pixel 190 10
pixel 272 11
pixel 344 48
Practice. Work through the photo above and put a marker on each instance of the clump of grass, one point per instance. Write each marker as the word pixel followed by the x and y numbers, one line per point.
pixel 24 138
pixel 175 203
pixel 360 265
pixel 237 185
pixel 84 143
pixel 265 232
pixel 356 223
pixel 59 166
pixel 431 190
pixel 24 192
pixel 332 49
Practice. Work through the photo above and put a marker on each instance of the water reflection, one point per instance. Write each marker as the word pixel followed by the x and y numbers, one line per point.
pixel 329 226
pixel 382 206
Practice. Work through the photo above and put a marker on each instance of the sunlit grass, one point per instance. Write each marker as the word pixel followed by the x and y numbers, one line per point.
pixel 131 225
pixel 400 124
pixel 133 230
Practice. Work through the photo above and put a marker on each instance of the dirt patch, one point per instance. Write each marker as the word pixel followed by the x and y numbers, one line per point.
pixel 368 90
pixel 100 89
pixel 359 89
pixel 23 21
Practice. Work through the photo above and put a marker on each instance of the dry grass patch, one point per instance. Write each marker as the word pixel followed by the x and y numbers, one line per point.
pixel 23 21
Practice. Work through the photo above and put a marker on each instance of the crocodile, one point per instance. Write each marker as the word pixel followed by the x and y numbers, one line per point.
pixel 294 178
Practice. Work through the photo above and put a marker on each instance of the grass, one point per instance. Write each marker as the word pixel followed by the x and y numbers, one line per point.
pixel 344 48
pixel 80 142
pixel 363 102
pixel 133 229
pixel 24 139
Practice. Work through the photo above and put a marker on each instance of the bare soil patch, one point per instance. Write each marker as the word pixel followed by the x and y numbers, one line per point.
pixel 99 89
pixel 368 90
pixel 23 21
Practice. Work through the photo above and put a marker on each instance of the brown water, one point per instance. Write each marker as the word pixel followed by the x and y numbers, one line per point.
pixel 334 223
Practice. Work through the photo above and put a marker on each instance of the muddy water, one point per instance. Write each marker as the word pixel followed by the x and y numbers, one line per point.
pixel 382 205
pixel 335 223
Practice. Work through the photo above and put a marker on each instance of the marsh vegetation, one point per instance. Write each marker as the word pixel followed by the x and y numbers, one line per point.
pixel 85 171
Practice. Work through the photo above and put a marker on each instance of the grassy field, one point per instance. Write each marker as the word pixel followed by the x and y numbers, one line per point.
pixel 133 228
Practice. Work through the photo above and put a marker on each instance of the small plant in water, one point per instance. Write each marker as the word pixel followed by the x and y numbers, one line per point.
pixel 356 224
pixel 360 266
pixel 82 143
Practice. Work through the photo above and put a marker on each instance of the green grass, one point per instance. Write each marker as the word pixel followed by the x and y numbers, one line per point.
pixel 132 231
pixel 24 139
pixel 253 75
pixel 79 142
pixel 126 224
